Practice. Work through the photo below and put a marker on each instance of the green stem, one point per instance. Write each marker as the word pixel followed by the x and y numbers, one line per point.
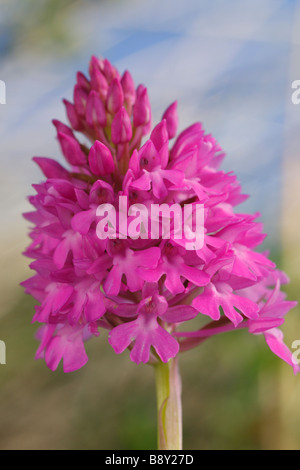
pixel 168 392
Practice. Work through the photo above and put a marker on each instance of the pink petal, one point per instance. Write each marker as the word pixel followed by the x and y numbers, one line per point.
pixel 71 149
pixel 274 339
pixel 51 168
pixel 165 345
pixel 179 313
pixel 159 135
pixel 171 117
pixel 82 221
pixel 66 346
pixel 121 336
pixel 73 116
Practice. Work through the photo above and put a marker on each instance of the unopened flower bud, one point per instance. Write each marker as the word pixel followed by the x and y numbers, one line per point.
pixel 83 82
pixel 73 116
pixel 98 81
pixel 95 111
pixel 108 70
pixel 141 109
pixel 100 159
pixel 115 96
pixel 171 117
pixel 61 127
pixel 128 88
pixel 159 135
pixel 71 149
pixel 80 100
pixel 121 130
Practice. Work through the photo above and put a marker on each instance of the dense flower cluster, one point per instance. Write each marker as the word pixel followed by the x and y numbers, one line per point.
pixel 142 290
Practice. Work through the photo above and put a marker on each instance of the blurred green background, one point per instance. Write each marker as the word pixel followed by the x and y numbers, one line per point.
pixel 232 68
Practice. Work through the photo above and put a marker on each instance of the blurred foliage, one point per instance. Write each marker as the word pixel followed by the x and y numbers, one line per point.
pixel 39 25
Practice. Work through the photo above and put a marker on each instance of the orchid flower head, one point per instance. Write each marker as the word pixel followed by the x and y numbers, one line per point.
pixel 142 289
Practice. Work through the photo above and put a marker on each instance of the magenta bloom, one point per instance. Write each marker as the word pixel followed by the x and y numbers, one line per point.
pixel 142 290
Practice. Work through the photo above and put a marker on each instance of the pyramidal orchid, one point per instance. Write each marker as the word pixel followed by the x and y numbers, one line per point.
pixel 91 274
